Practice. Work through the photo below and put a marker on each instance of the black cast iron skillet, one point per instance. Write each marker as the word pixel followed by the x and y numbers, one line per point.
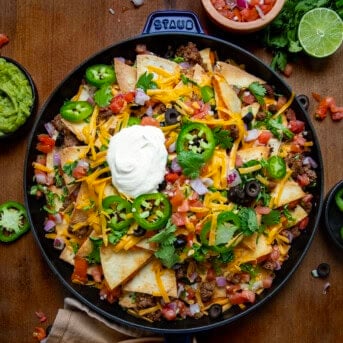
pixel 159 33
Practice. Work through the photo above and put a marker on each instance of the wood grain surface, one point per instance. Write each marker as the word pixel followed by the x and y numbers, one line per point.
pixel 50 38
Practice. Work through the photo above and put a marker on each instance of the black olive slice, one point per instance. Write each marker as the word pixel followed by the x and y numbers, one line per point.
pixel 139 232
pixel 215 311
pixel 172 116
pixel 252 189
pixel 180 242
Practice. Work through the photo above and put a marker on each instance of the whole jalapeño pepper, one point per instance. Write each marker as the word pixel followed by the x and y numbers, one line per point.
pixel 151 211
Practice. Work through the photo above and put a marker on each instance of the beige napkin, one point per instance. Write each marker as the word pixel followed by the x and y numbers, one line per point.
pixel 76 323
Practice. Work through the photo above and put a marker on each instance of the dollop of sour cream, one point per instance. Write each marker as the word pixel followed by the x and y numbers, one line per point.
pixel 137 158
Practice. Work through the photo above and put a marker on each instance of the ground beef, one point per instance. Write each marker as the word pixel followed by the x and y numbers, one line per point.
pixel 295 163
pixel 181 271
pixel 234 132
pixel 80 233
pixel 144 301
pixel 69 139
pixel 269 90
pixel 260 115
pixel 104 113
pixel 154 316
pixel 206 290
pixel 272 109
pixel 190 53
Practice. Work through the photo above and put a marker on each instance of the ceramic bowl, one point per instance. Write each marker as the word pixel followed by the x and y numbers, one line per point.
pixel 333 216
pixel 241 27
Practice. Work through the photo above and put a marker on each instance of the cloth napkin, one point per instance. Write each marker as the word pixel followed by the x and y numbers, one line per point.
pixel 76 323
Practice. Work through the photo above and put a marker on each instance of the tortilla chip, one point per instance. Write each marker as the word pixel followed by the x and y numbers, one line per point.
pixel 67 255
pixel 77 129
pixel 298 214
pixel 145 281
pixel 126 75
pixel 200 76
pixel 274 145
pixel 254 153
pixel 126 300
pixel 290 192
pixel 206 59
pixel 118 267
pixel 252 108
pixel 69 155
pixel 144 61
pixel 83 200
pixel 144 244
pixel 225 96
pixel 244 255
pixel 235 76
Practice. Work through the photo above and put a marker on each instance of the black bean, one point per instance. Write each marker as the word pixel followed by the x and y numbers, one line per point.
pixel 180 242
pixel 248 118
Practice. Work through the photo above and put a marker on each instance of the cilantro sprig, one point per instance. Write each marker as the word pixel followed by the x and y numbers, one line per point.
pixel 146 82
pixel 191 163
pixel 258 91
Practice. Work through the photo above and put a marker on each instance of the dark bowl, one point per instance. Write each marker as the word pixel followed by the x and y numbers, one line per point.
pixel 333 216
pixel 29 120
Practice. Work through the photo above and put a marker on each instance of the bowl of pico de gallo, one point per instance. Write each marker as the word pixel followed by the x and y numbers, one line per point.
pixel 242 16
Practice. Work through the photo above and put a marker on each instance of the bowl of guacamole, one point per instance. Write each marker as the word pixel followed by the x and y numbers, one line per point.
pixel 18 97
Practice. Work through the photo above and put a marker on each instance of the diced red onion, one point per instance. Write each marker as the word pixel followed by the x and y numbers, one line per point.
pixel 242 3
pixel 198 186
pixel 194 308
pixel 326 287
pixel 208 182
pixel 172 147
pixel 233 178
pixel 50 129
pixel 149 111
pixel 175 167
pixel 91 101
pixel 184 65
pixel 41 178
pixel 59 243
pixel 58 218
pixel 192 276
pixel 221 281
pixel 49 226
pixel 141 97
pixel 56 159
pixel 84 164
pixel 310 161
pixel 121 59
pixel 277 265
pixel 260 12
pixel 252 135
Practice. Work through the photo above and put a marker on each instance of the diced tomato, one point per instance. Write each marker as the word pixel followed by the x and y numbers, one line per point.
pixel 303 224
pixel 79 172
pixel 41 159
pixel 211 274
pixel 267 282
pixel 239 161
pixel 80 270
pixel 169 313
pixel 242 297
pixel 117 103
pixel 262 209
pixel 46 144
pixel 275 254
pixel 96 272
pixel 3 40
pixel 264 137
pixel 190 293
pixel 184 207
pixel 296 126
pixel 149 121
pixel 248 99
pixel 129 96
pixel 41 316
pixel 249 14
pixel 288 70
pixel 111 296
pixel 303 180
pixel 178 219
pixel 39 333
pixel 171 177
pixel 177 199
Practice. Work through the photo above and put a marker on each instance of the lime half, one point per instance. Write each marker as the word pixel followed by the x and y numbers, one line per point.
pixel 320 32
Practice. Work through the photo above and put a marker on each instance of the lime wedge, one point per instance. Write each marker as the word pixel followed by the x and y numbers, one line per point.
pixel 320 32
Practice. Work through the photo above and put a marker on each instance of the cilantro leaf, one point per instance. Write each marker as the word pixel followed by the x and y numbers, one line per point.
pixel 249 268
pixel 94 256
pixel 69 167
pixel 191 163
pixel 272 218
pixel 185 80
pixel 222 138
pixel 103 96
pixel 146 82
pixel 249 223
pixel 166 252
pixel 278 129
pixel 258 91
pixel 115 235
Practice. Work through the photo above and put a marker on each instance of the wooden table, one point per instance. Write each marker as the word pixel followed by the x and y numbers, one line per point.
pixel 50 38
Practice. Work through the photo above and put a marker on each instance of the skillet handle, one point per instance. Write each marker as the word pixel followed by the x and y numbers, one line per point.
pixel 173 21
pixel 178 338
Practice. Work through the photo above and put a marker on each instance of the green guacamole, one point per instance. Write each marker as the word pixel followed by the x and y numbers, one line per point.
pixel 16 97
